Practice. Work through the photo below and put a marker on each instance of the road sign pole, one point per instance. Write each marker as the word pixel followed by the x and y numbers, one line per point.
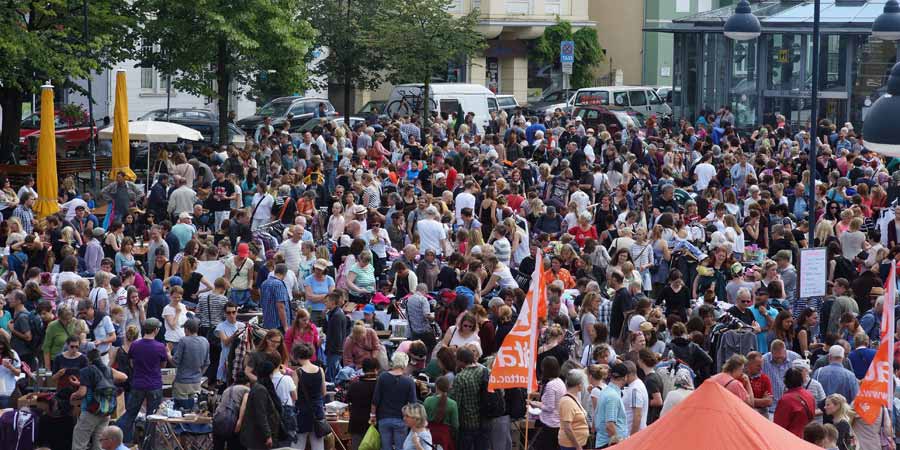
pixel 566 59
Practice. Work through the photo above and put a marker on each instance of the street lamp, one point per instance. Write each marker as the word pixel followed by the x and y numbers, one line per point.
pixel 887 26
pixel 880 130
pixel 743 25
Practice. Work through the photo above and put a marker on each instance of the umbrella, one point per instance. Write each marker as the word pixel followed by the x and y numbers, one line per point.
pixel 121 150
pixel 153 131
pixel 47 180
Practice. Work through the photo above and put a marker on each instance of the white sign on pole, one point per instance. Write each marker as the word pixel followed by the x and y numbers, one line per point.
pixel 567 68
pixel 813 272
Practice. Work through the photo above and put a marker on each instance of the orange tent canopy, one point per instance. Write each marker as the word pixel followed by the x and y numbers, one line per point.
pixel 713 418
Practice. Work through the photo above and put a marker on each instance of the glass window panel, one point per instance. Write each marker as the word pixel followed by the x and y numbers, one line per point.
pixel 871 67
pixel 638 98
pixel 742 96
pixel 620 99
pixel 784 61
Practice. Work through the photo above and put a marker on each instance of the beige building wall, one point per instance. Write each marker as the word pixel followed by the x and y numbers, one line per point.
pixel 619 28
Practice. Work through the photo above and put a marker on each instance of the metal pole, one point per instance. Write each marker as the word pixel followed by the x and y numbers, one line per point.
pixel 814 128
pixel 92 148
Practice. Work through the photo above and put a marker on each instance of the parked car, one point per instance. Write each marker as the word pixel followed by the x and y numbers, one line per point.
pixel 641 99
pixel 615 120
pixel 508 103
pixel 76 135
pixel 180 113
pixel 312 123
pixel 550 101
pixel 300 108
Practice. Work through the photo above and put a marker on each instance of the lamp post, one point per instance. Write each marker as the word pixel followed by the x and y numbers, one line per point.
pixel 880 132
pixel 92 147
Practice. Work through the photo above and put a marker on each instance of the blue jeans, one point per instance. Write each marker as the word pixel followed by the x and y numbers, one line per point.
pixel 470 440
pixel 133 407
pixel 393 433
pixel 242 297
pixel 332 366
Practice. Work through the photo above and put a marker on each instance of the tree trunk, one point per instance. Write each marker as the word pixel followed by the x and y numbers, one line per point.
pixel 223 87
pixel 11 104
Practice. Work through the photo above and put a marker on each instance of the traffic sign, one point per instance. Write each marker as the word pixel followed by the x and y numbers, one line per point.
pixel 567 68
pixel 567 52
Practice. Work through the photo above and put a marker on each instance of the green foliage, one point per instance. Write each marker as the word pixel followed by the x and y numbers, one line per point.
pixel 342 31
pixel 42 41
pixel 419 38
pixel 588 52
pixel 199 42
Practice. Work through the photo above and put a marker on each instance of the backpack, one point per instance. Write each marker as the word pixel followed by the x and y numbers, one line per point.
pixel 225 419
pixel 36 325
pixel 104 398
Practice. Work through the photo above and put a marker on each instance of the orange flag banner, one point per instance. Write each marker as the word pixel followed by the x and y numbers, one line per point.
pixel 876 390
pixel 514 364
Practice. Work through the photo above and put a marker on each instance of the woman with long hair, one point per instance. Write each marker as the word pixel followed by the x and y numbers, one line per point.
pixel 842 415
pixel 443 414
pixel 191 279
pixel 782 329
pixel 464 332
pixel 134 308
pixel 806 339
pixel 302 330
pixel 175 316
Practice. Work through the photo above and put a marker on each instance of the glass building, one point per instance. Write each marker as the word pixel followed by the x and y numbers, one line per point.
pixel 773 74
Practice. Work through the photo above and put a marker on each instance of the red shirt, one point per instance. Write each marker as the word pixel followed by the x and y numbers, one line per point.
pixel 795 410
pixel 582 235
pixel 762 385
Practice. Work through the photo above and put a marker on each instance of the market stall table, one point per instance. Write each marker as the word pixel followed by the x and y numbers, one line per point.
pixel 162 433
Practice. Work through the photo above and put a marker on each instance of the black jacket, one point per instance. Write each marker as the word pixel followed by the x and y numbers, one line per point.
pixel 261 420
pixel 336 330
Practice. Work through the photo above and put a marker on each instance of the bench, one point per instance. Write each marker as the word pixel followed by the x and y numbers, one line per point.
pixel 18 174
pixel 76 166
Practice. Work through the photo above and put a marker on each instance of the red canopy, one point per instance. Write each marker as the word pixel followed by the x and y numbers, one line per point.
pixel 713 418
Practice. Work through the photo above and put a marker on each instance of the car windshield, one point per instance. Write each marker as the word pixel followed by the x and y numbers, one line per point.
pixel 277 108
pixel 33 122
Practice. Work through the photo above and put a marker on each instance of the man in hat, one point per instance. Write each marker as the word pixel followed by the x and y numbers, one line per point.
pixel 370 320
pixel 609 418
pixel 147 356
pixel 813 386
pixel 93 252
pixel 239 270
pixel 835 379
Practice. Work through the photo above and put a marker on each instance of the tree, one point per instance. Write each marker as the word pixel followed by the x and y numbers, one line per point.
pixel 588 52
pixel 45 40
pixel 352 60
pixel 216 47
pixel 419 38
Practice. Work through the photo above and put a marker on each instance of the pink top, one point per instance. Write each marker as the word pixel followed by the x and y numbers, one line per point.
pixel 553 392
pixel 311 337
pixel 732 384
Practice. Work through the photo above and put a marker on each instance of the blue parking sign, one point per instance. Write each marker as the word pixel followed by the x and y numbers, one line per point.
pixel 567 52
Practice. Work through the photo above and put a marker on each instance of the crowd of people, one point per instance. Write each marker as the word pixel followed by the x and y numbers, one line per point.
pixel 670 258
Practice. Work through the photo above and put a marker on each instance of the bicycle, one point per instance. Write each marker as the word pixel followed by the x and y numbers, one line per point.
pixel 410 104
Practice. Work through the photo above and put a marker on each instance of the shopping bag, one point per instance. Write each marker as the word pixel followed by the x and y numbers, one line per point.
pixel 372 439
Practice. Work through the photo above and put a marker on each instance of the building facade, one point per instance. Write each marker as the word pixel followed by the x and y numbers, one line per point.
pixel 772 74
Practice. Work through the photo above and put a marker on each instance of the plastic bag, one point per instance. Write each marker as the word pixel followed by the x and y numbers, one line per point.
pixel 372 439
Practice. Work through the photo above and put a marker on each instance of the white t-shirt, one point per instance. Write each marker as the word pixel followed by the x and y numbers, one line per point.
pixel 284 385
pixel 705 173
pixel 291 252
pixel 431 233
pixel 264 210
pixel 464 200
pixel 381 241
pixel 635 396
pixel 174 334
pixel 97 295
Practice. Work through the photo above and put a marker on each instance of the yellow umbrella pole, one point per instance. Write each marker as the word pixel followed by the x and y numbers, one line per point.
pixel 47 180
pixel 120 142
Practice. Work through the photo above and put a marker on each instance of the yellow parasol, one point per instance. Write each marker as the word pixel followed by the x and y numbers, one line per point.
pixel 120 147
pixel 47 181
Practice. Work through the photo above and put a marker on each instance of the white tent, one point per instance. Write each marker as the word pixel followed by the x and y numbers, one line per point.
pixel 150 131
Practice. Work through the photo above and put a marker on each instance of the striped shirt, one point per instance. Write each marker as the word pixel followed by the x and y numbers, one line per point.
pixel 26 216
pixel 272 292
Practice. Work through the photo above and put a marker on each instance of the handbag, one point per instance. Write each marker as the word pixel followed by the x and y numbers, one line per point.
pixel 320 426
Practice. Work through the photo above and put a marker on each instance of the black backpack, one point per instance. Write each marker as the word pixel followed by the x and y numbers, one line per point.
pixel 36 326
pixel 493 404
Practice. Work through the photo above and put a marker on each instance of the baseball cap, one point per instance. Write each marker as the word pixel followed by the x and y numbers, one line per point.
pixel 99 232
pixel 836 351
pixel 184 215
pixel 243 250
pixel 153 323
pixel 369 309
pixel 618 370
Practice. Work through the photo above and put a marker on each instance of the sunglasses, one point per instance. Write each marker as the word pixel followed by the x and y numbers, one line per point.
pixel 74 347
pixel 233 311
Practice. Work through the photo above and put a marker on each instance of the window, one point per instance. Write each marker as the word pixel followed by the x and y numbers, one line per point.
pixel 592 98
pixel 302 108
pixel 492 105
pixel 654 98
pixel 152 82
pixel 620 99
pixel 638 98
pixel 592 114
pixel 451 105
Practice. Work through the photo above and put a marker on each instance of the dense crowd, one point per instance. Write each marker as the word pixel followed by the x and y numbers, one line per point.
pixel 670 258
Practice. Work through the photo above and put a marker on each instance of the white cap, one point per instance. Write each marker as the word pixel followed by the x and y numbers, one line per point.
pixel 836 351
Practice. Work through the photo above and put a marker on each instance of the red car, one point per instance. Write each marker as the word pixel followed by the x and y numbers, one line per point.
pixel 75 134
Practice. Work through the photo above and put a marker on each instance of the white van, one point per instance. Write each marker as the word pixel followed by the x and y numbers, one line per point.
pixel 640 99
pixel 444 98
